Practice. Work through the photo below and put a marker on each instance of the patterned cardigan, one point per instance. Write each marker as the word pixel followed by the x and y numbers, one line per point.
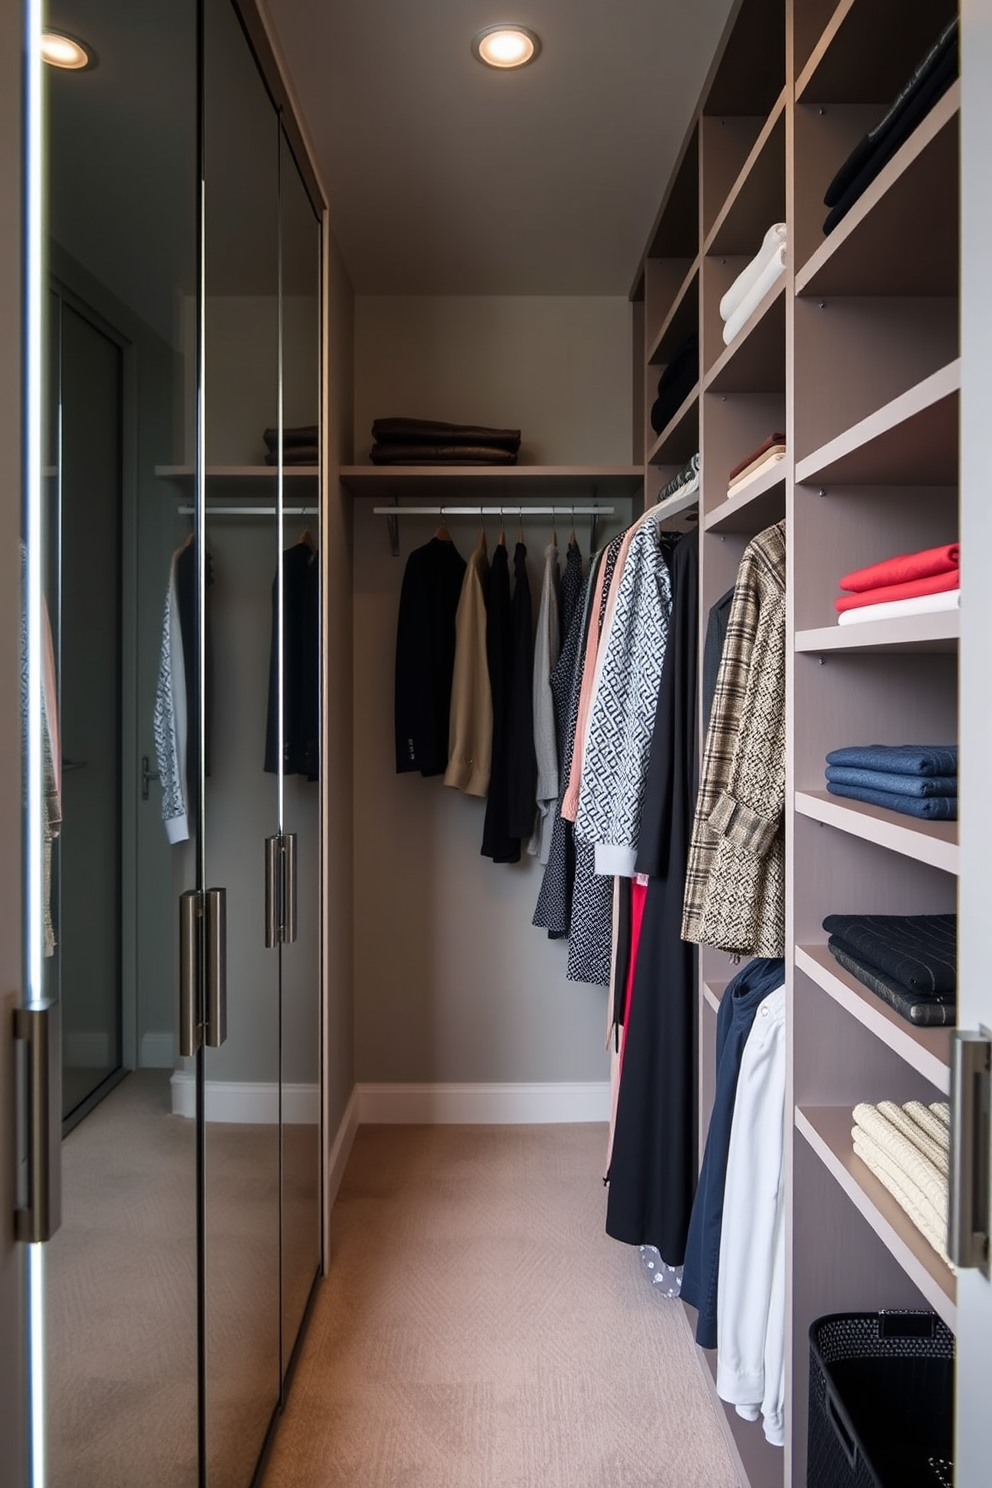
pixel 735 878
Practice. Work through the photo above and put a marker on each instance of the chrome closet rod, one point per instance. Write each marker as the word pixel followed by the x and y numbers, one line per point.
pixel 252 511
pixel 492 511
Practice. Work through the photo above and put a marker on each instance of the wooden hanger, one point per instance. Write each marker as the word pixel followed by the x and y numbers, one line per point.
pixel 442 534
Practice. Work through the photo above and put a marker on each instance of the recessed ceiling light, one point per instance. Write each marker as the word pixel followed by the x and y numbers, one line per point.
pixel 506 46
pixel 59 50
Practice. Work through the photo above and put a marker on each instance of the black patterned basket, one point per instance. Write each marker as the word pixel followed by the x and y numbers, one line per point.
pixel 881 1401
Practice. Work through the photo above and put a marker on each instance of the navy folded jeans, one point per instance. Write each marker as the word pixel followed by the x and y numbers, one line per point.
pixel 740 1004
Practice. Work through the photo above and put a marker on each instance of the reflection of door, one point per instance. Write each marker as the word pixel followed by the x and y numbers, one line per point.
pixel 89 650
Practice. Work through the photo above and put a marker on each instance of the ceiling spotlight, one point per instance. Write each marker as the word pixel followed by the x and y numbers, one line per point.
pixel 63 51
pixel 506 46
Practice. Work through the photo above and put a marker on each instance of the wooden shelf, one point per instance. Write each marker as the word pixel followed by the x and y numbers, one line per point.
pixel 679 440
pixel 679 503
pixel 827 1129
pixel 925 634
pixel 927 1050
pixel 933 842
pixel 862 58
pixel 757 197
pixel 185 474
pixel 912 441
pixel 754 362
pixel 489 481
pixel 762 504
pixel 681 320
pixel 674 234
pixel 867 253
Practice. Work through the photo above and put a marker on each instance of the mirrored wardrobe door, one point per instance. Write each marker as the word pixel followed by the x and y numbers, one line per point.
pixel 300 951
pixel 240 795
pixel 121 1288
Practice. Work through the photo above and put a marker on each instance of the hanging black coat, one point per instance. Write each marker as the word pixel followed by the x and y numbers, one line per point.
pixel 497 842
pixel 653 1164
pixel 522 764
pixel 300 666
pixel 425 656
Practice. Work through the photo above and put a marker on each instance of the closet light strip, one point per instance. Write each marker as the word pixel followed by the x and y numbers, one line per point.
pixel 493 511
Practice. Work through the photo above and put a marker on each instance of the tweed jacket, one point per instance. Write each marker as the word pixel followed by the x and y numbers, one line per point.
pixel 735 878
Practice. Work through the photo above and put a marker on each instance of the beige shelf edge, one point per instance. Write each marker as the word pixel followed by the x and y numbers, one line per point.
pixel 827 38
pixel 728 512
pixel 713 994
pixel 676 306
pixel 827 1129
pixel 922 137
pixel 733 195
pixel 935 843
pixel 238 472
pixel 933 389
pixel 925 1049
pixel 935 632
pixel 729 353
pixel 656 451
pixel 379 480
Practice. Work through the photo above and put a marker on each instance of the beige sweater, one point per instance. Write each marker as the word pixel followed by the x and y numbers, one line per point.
pixel 470 736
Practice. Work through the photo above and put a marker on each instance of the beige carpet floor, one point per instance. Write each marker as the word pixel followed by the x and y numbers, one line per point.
pixel 478 1329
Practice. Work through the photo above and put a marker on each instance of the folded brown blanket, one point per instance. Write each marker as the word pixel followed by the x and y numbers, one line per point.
pixel 441 454
pixel 303 434
pixel 763 448
pixel 408 431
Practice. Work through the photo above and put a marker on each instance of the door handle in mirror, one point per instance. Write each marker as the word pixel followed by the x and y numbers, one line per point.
pixel 40 1029
pixel 273 875
pixel 216 967
pixel 190 915
pixel 289 887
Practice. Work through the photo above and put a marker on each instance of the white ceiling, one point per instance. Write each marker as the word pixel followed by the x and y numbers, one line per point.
pixel 446 177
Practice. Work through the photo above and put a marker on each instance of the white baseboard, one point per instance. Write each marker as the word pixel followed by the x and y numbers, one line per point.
pixel 88 1051
pixel 247 1103
pixel 158 1051
pixel 496 1105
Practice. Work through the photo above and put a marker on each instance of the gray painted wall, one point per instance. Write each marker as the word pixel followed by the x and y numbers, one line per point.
pixel 452 982
pixel 975 1007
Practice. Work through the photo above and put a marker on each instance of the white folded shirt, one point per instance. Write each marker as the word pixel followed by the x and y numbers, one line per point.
pixel 773 239
pixel 772 270
pixel 891 609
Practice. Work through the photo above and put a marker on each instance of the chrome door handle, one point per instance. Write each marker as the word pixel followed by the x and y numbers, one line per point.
pixel 40 1029
pixel 190 920
pixel 289 887
pixel 273 876
pixel 215 1031
pixel 969 1208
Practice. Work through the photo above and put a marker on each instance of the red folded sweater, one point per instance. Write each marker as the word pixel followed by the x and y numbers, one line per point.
pixel 904 569
pixel 934 584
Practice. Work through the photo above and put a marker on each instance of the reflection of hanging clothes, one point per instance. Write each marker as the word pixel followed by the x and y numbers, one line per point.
pixel 497 843
pixel 176 718
pixel 300 665
pixel 52 763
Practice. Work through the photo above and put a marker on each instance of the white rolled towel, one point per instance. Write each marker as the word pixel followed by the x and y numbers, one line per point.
pixel 773 269
pixel 774 238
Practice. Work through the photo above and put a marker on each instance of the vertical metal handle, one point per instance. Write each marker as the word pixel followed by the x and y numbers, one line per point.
pixel 216 961
pixel 40 1029
pixel 272 886
pixel 189 960
pixel 289 888
pixel 968 1214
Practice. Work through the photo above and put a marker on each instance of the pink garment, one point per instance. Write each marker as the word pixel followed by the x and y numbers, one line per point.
pixel 570 801
pixel 639 894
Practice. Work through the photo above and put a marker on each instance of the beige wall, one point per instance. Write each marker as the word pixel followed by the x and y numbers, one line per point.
pixel 452 981
pixel 556 367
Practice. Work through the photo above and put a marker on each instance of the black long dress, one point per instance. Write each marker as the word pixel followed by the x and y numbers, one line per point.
pixel 522 763
pixel 653 1165
pixel 497 842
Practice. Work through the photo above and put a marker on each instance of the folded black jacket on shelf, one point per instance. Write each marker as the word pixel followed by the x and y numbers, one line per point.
pixel 434 432
pixel 676 383
pixel 935 1011
pixel 441 454
pixel 918 951
pixel 308 434
pixel 930 81
pixel 295 454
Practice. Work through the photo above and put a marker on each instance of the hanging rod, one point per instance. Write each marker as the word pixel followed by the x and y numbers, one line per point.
pixel 493 511
pixel 252 511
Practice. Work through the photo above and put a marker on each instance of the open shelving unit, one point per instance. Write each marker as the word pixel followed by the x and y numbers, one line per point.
pixel 855 355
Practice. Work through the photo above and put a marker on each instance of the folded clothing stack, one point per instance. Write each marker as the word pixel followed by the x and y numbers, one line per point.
pixel 929 82
pixel 909 961
pixel 405 441
pixel 908 1150
pixel 676 383
pixel 681 484
pixel 914 779
pixel 770 452
pixel 908 584
pixel 754 282
pixel 300 446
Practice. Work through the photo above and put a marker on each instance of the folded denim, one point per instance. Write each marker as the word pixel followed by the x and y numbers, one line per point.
pixel 898 785
pixel 926 1012
pixel 917 951
pixel 927 808
pixel 900 759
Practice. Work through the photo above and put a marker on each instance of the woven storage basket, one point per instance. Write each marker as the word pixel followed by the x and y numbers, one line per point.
pixel 881 1401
